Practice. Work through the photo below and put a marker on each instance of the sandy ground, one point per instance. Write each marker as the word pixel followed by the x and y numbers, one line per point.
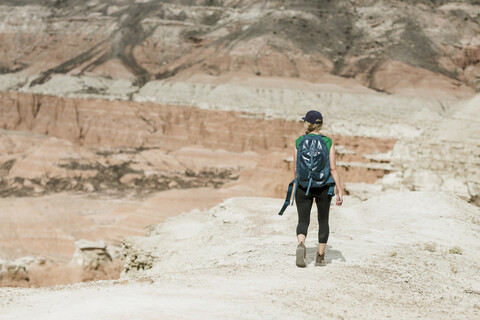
pixel 384 260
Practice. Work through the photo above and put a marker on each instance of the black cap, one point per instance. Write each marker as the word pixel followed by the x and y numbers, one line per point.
pixel 313 116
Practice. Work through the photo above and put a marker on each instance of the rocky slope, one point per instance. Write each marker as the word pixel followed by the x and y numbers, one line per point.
pixel 388 46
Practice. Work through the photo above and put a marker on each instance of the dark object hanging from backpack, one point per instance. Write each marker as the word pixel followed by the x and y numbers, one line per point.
pixel 289 195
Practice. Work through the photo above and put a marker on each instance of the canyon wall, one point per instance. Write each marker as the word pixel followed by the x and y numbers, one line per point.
pixel 419 47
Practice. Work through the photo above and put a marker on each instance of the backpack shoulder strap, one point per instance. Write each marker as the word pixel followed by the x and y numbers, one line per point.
pixel 289 195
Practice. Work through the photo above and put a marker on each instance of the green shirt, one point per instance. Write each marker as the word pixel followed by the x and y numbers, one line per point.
pixel 327 140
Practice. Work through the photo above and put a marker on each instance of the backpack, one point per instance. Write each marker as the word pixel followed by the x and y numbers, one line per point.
pixel 313 162
pixel 313 167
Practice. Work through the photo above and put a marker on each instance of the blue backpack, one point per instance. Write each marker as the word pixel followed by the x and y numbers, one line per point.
pixel 313 162
pixel 313 167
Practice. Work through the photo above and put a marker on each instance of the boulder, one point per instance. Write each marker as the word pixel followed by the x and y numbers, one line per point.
pixel 91 255
pixel 12 272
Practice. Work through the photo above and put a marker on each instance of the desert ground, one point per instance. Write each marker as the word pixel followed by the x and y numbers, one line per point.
pixel 385 260
pixel 146 148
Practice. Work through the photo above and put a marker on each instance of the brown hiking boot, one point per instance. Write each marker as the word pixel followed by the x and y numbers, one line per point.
pixel 320 261
pixel 301 255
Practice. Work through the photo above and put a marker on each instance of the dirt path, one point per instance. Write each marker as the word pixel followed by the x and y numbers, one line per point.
pixel 237 261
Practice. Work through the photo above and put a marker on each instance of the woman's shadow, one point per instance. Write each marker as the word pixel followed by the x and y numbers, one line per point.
pixel 330 254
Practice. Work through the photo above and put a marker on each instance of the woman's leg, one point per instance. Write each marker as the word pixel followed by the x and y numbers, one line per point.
pixel 323 200
pixel 304 206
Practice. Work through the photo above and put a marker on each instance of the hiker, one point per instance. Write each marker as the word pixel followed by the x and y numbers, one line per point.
pixel 321 189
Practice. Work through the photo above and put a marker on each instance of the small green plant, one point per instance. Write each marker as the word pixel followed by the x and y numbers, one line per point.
pixel 455 250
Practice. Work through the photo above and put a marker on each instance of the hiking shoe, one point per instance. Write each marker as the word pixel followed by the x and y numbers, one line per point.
pixel 320 261
pixel 301 255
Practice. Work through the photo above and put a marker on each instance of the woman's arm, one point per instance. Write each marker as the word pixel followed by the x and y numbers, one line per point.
pixel 336 177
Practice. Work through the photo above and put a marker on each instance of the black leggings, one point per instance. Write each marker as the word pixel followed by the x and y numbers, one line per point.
pixel 304 206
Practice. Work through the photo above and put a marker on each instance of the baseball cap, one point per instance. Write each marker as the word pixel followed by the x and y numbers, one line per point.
pixel 313 116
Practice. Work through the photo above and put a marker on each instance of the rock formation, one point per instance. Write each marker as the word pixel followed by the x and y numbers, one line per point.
pixel 152 151
pixel 115 47
pixel 16 272
pixel 97 260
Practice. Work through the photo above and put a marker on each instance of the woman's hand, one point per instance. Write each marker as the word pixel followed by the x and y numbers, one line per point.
pixel 339 199
pixel 336 178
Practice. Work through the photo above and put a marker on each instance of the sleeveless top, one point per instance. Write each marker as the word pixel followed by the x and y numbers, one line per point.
pixel 327 140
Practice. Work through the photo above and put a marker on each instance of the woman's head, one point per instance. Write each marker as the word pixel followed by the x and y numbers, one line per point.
pixel 313 121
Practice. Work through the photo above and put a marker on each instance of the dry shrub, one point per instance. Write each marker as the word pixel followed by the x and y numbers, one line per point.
pixel 430 246
pixel 455 250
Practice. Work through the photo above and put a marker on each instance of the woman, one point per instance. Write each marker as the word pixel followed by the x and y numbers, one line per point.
pixel 313 121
